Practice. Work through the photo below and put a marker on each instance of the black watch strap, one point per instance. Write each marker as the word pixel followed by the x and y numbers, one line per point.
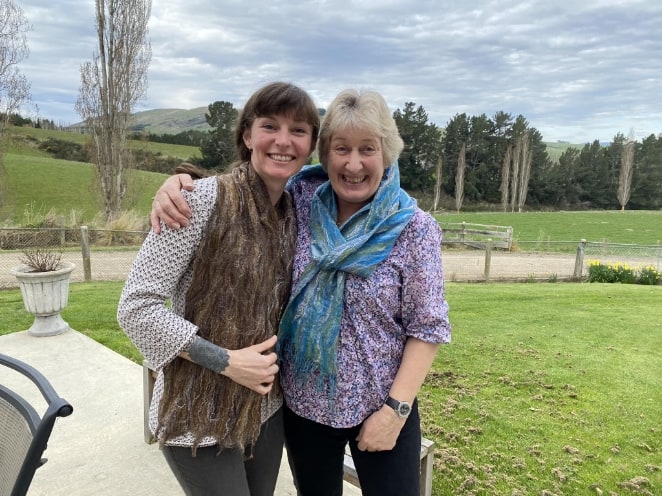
pixel 402 408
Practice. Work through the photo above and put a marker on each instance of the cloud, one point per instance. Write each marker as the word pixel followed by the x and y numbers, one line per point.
pixel 577 71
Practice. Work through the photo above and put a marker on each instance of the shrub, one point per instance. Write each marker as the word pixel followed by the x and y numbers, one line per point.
pixel 41 260
pixel 648 275
pixel 65 150
pixel 35 217
pixel 622 273
pixel 127 228
pixel 154 162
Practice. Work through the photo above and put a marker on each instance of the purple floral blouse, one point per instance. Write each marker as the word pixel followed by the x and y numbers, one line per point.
pixel 404 297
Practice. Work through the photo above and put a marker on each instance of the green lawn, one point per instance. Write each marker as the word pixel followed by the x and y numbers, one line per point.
pixel 546 389
pixel 92 311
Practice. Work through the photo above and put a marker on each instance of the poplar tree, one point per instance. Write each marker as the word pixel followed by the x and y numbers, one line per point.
pixel 14 86
pixel 111 85
pixel 625 173
pixel 459 177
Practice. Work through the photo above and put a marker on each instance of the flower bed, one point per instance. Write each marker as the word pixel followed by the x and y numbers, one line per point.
pixel 623 273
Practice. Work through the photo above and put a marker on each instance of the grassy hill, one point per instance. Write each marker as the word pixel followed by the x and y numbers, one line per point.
pixel 33 184
pixel 172 121
pixel 26 140
pixel 168 121
pixel 556 148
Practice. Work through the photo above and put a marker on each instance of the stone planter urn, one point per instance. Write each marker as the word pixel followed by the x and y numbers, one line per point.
pixel 45 294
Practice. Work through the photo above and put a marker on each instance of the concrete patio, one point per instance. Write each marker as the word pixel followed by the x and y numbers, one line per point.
pixel 99 450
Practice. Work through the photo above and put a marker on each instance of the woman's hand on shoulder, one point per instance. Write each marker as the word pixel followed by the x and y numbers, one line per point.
pixel 169 205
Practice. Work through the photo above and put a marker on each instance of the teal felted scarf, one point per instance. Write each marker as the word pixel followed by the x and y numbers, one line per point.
pixel 311 322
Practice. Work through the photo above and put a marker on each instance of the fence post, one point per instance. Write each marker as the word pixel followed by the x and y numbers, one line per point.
pixel 85 246
pixel 463 233
pixel 488 258
pixel 63 232
pixel 579 259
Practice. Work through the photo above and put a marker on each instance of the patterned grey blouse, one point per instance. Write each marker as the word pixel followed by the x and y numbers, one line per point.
pixel 152 303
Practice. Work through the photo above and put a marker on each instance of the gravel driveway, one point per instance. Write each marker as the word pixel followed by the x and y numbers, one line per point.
pixel 470 266
pixel 458 266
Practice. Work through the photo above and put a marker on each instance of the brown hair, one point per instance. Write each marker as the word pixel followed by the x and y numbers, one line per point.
pixel 276 98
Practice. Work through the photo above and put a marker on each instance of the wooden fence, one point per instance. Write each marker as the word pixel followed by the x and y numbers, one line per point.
pixel 477 235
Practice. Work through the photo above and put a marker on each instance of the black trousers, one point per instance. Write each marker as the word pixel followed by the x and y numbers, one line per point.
pixel 316 455
pixel 228 473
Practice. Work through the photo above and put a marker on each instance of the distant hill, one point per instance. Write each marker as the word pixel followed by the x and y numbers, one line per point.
pixel 174 121
pixel 171 121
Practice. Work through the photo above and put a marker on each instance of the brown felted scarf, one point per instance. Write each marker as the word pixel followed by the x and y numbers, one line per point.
pixel 240 285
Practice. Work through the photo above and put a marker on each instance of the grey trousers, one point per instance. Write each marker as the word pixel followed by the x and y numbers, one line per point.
pixel 229 473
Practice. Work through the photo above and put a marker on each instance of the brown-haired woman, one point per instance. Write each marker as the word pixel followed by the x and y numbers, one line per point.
pixel 216 408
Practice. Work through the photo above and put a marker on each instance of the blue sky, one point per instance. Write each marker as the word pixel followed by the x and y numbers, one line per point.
pixel 577 70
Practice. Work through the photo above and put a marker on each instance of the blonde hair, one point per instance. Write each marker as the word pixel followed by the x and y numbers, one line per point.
pixel 365 110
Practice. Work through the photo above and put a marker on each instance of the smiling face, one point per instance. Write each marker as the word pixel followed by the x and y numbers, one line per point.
pixel 355 167
pixel 279 146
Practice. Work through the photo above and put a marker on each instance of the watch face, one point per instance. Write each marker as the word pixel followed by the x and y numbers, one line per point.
pixel 402 408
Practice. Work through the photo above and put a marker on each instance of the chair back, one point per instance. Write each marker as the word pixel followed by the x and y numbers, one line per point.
pixel 24 433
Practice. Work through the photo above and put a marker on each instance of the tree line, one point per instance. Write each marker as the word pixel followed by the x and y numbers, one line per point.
pixel 501 163
pixel 497 163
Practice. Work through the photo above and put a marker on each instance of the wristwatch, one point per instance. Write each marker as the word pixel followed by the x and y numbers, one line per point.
pixel 402 408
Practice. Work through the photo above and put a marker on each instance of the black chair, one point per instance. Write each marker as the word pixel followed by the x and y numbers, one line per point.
pixel 23 433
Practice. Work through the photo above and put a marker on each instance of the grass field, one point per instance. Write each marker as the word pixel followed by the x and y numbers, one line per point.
pixel 639 227
pixel 546 389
